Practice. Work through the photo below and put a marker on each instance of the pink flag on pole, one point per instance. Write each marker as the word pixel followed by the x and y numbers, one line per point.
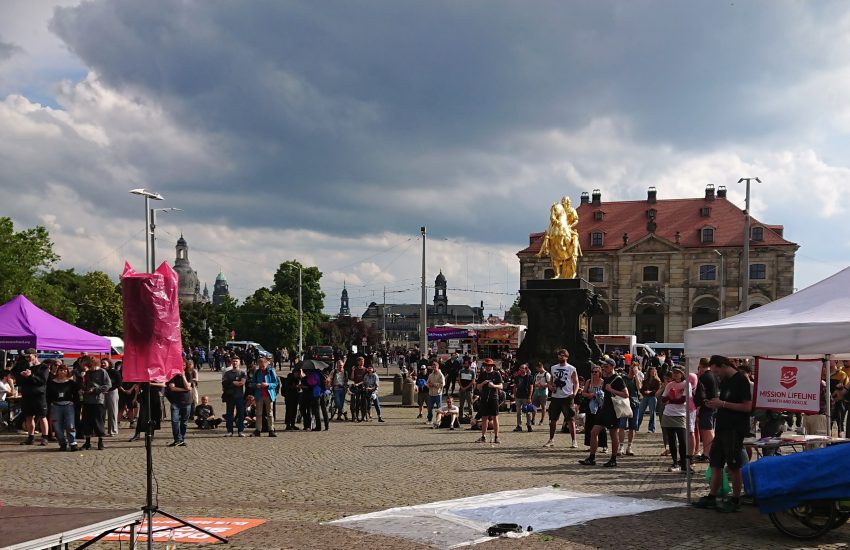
pixel 153 346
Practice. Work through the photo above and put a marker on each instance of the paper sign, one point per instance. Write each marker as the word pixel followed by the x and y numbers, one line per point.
pixel 792 385
pixel 454 343
pixel 166 529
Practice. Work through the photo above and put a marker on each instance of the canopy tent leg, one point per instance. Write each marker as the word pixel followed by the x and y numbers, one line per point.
pixel 688 451
pixel 826 376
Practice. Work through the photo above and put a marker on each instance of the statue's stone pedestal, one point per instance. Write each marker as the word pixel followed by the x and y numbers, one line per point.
pixel 554 308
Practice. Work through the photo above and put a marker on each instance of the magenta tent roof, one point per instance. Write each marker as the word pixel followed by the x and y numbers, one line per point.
pixel 23 325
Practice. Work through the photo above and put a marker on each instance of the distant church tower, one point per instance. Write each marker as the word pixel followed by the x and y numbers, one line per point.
pixel 189 287
pixel 220 290
pixel 344 310
pixel 441 301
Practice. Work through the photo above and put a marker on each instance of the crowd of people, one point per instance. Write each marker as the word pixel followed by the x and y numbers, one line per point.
pixel 87 401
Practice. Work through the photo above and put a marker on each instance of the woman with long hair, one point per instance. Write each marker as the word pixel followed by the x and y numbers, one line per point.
pixel 594 385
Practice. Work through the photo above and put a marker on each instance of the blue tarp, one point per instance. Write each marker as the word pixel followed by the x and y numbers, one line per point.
pixel 782 482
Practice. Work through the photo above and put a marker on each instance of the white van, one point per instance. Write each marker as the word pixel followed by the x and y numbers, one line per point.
pixel 625 343
pixel 676 349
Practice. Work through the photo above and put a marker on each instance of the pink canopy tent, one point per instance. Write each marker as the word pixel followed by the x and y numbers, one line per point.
pixel 23 325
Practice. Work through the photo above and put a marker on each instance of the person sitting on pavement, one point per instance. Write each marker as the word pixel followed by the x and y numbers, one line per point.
pixel 205 417
pixel 250 411
pixel 447 416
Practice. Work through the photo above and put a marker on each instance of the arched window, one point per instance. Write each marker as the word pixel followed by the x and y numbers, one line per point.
pixel 650 273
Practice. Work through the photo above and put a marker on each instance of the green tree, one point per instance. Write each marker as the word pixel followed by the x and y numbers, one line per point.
pixel 98 300
pixel 286 283
pixel 24 255
pixel 269 318
pixel 515 313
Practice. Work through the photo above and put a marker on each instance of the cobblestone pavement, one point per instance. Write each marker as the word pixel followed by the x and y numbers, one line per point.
pixel 301 479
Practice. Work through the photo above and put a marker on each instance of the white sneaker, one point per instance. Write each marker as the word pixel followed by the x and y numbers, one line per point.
pixel 550 443
pixel 574 445
pixel 674 469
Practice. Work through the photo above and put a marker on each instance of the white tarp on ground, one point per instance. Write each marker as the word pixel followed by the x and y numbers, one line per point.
pixel 814 321
pixel 464 521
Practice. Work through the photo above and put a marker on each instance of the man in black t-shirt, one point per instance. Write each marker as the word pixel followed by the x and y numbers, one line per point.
pixel 489 384
pixel 707 417
pixel 733 423
pixel 606 416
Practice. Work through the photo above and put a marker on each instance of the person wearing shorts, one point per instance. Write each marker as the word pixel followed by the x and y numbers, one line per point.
pixel 733 406
pixel 563 386
pixel 489 384
pixel 541 392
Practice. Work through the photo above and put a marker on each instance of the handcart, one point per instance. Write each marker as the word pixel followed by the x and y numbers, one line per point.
pixel 805 494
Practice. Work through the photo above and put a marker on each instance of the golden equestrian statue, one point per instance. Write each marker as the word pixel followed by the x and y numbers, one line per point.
pixel 561 240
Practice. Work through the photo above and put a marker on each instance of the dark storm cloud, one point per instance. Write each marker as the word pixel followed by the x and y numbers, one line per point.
pixel 329 109
pixel 7 49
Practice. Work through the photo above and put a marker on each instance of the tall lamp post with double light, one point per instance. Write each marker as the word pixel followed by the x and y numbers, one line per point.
pixel 745 298
pixel 148 195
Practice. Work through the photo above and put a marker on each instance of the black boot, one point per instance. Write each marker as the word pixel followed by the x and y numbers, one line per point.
pixel 100 446
pixel 87 444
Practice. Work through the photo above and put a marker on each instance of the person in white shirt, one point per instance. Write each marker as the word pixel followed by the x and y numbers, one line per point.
pixel 447 414
pixel 563 387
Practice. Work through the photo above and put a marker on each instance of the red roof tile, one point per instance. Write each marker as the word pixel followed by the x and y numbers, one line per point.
pixel 672 215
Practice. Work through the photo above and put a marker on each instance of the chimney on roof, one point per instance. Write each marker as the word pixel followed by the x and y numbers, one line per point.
pixel 709 192
pixel 651 195
pixel 585 198
pixel 596 198
pixel 721 192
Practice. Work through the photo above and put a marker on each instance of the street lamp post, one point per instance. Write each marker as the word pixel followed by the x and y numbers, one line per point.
pixel 423 313
pixel 153 232
pixel 157 197
pixel 745 298
pixel 722 281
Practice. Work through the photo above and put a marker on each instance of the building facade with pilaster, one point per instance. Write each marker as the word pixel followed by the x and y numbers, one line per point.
pixel 664 266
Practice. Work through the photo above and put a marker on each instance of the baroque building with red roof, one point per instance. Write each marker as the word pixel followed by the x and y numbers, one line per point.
pixel 663 266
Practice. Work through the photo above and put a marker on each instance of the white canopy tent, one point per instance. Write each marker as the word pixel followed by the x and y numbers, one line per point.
pixel 812 322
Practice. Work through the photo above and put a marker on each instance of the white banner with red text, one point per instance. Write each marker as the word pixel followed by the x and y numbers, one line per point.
pixel 792 385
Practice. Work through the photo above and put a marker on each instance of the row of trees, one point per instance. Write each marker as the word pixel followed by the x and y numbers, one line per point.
pixel 92 300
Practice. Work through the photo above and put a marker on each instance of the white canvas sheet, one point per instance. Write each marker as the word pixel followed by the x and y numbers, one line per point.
pixel 464 521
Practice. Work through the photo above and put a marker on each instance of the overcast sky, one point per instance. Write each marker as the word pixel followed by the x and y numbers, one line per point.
pixel 331 131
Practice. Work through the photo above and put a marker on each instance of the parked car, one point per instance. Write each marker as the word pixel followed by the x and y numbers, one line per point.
pixel 321 353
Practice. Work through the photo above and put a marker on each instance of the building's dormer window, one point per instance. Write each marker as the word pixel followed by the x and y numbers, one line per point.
pixel 596 275
pixel 596 238
pixel 705 211
pixel 598 215
pixel 650 273
pixel 708 272
pixel 757 233
pixel 706 235
pixel 651 213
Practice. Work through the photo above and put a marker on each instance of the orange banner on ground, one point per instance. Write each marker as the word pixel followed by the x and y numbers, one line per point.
pixel 166 530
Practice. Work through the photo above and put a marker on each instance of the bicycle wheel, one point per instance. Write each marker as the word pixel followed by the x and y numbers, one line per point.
pixel 807 521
